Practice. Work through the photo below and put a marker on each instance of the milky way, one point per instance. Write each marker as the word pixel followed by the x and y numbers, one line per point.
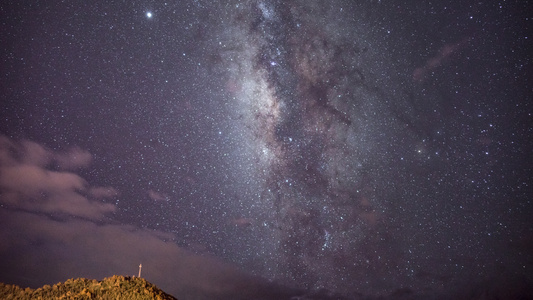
pixel 310 114
pixel 325 148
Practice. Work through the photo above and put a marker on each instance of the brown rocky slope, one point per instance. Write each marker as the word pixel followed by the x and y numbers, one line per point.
pixel 115 287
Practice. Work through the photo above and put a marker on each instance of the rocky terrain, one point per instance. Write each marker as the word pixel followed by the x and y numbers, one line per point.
pixel 115 287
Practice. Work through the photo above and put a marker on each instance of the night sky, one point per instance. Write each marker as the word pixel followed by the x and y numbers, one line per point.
pixel 269 149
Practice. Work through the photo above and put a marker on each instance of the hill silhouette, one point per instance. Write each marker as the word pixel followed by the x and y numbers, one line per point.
pixel 115 287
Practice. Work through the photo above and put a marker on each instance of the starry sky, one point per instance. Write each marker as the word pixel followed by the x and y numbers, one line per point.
pixel 268 149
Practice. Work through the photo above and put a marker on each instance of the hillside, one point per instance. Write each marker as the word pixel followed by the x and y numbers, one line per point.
pixel 115 287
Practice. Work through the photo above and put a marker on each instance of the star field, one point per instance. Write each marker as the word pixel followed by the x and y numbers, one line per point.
pixel 334 150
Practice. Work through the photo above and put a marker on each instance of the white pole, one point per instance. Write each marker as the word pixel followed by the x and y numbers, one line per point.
pixel 140 267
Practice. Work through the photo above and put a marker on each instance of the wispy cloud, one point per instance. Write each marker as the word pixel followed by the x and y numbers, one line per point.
pixel 73 158
pixel 28 182
pixel 156 196
pixel 103 192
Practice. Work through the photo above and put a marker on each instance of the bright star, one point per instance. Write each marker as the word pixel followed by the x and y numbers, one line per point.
pixel 149 15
